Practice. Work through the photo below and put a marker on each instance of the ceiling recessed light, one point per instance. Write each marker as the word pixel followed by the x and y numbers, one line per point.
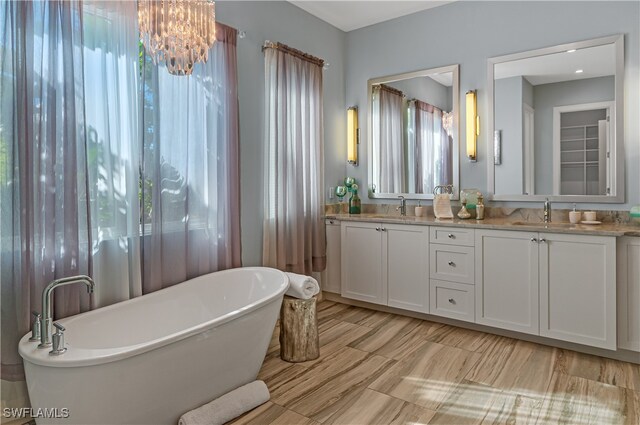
pixel 579 71
pixel 571 51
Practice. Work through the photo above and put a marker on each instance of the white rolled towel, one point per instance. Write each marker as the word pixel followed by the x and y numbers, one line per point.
pixel 301 286
pixel 229 406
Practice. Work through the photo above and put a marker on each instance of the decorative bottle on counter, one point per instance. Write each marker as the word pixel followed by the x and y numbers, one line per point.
pixel 354 202
pixel 480 209
pixel 463 213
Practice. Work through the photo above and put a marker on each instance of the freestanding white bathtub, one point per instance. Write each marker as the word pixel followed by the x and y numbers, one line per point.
pixel 152 358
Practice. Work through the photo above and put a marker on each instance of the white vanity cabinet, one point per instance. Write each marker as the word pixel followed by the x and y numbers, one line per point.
pixel 406 255
pixel 628 306
pixel 578 289
pixel 507 280
pixel 553 285
pixel 386 264
pixel 361 246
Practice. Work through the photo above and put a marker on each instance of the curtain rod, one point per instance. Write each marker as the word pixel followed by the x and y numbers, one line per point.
pixel 425 106
pixel 390 89
pixel 294 52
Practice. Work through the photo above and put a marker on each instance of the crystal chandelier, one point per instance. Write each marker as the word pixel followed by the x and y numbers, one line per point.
pixel 177 32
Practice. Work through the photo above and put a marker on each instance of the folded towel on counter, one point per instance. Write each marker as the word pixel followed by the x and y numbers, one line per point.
pixel 229 406
pixel 301 286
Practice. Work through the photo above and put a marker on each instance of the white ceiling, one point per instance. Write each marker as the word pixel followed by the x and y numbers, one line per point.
pixel 444 78
pixel 596 61
pixel 351 15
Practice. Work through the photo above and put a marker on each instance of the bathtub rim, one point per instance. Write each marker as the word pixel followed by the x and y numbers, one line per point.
pixel 91 357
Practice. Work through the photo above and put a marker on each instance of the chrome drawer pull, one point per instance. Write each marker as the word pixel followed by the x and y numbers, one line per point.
pixel 452 264
pixel 543 240
pixel 451 236
pixel 377 229
pixel 534 240
pixel 452 301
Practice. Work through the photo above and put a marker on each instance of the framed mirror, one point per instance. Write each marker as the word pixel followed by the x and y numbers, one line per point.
pixel 556 123
pixel 413 133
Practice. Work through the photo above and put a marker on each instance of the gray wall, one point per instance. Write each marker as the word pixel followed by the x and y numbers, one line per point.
pixel 508 118
pixel 470 32
pixel 548 96
pixel 280 21
pixel 466 33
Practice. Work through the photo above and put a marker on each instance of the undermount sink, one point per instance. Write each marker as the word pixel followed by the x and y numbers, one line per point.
pixel 552 224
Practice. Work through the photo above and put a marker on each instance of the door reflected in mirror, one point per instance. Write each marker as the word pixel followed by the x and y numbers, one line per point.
pixel 554 120
pixel 581 149
pixel 413 137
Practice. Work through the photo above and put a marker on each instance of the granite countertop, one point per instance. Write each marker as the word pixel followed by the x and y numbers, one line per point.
pixel 502 223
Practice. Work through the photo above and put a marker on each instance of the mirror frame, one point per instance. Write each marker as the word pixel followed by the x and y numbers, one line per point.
pixel 618 191
pixel 455 69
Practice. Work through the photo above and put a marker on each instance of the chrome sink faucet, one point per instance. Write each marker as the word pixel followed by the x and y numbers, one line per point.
pixel 547 211
pixel 47 319
pixel 403 206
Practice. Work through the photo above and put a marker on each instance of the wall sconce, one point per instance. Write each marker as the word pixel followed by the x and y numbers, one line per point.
pixel 473 125
pixel 353 135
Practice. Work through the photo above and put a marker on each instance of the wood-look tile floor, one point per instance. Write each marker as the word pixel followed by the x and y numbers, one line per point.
pixel 381 368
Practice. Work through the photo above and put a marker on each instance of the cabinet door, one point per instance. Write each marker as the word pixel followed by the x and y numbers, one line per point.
pixel 578 289
pixel 407 266
pixel 629 293
pixel 362 262
pixel 507 280
pixel 331 275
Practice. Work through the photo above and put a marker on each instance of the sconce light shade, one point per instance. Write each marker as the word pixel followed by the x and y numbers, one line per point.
pixel 352 135
pixel 473 125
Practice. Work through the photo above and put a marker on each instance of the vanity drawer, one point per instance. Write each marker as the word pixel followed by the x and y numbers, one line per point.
pixel 450 299
pixel 452 263
pixel 452 236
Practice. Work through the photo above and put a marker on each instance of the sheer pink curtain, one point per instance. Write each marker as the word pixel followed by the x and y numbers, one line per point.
pixel 112 88
pixel 191 204
pixel 69 167
pixel 425 145
pixel 444 168
pixel 388 139
pixel 293 229
pixel 433 156
pixel 43 165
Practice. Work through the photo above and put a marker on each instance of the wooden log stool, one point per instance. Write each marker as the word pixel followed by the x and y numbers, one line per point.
pixel 299 340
